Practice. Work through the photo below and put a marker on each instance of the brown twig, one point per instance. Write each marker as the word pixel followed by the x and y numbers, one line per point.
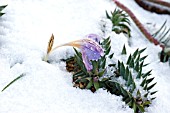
pixel 158 7
pixel 167 4
pixel 139 24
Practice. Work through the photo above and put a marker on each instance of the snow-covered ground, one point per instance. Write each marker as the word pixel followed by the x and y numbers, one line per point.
pixel 47 88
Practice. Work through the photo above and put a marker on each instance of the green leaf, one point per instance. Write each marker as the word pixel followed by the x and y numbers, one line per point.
pixel 95 67
pixel 107 51
pixel 139 74
pixel 80 73
pixel 130 103
pixel 124 50
pixel 111 56
pixel 103 63
pixel 135 53
pixel 147 74
pixel 153 92
pixel 107 15
pixel 129 59
pixel 133 86
pixel 138 94
pixel 122 70
pixel 104 79
pixel 141 108
pixel 150 87
pixel 143 58
pixel 1 14
pixel 127 73
pixel 137 66
pixel 146 103
pixel 134 107
pixel 130 79
pixel 101 73
pixel 142 50
pixel 153 98
pixel 132 63
pixel 96 85
pixel 90 84
pixel 13 81
pixel 149 80
pixel 2 7
pixel 145 95
pixel 124 92
pixel 143 82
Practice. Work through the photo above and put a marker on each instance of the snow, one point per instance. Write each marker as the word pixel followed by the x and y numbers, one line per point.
pixel 47 88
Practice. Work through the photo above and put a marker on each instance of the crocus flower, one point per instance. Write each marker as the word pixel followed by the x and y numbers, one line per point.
pixel 94 37
pixel 89 48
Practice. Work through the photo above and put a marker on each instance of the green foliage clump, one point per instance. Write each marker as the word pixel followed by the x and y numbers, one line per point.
pixel 120 22
pixel 130 89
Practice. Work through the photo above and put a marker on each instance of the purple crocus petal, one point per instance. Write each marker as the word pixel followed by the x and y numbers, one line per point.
pixel 91 50
pixel 95 37
pixel 86 61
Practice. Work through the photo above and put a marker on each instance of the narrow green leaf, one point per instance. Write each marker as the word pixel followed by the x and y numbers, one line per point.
pixel 107 51
pixel 133 86
pixel 135 53
pixel 132 63
pixel 153 92
pixel 124 92
pixel 137 66
pixel 13 81
pixel 134 107
pixel 111 56
pixel 143 82
pixel 130 103
pixel 147 74
pixel 143 58
pixel 95 66
pixel 124 50
pixel 149 80
pixel 96 85
pixel 145 95
pixel 122 70
pixel 101 73
pixel 146 64
pixel 130 79
pixel 90 84
pixel 150 87
pixel 153 98
pixel 142 50
pixel 127 73
pixel 1 14
pixel 139 74
pixel 80 73
pixel 2 7
pixel 137 59
pixel 107 15
pixel 103 63
pixel 146 103
pixel 141 108
pixel 129 59
pixel 127 100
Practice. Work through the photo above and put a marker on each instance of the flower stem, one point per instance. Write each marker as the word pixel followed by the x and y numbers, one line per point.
pixel 74 44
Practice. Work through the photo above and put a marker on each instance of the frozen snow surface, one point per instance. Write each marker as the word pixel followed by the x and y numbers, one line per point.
pixel 47 88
